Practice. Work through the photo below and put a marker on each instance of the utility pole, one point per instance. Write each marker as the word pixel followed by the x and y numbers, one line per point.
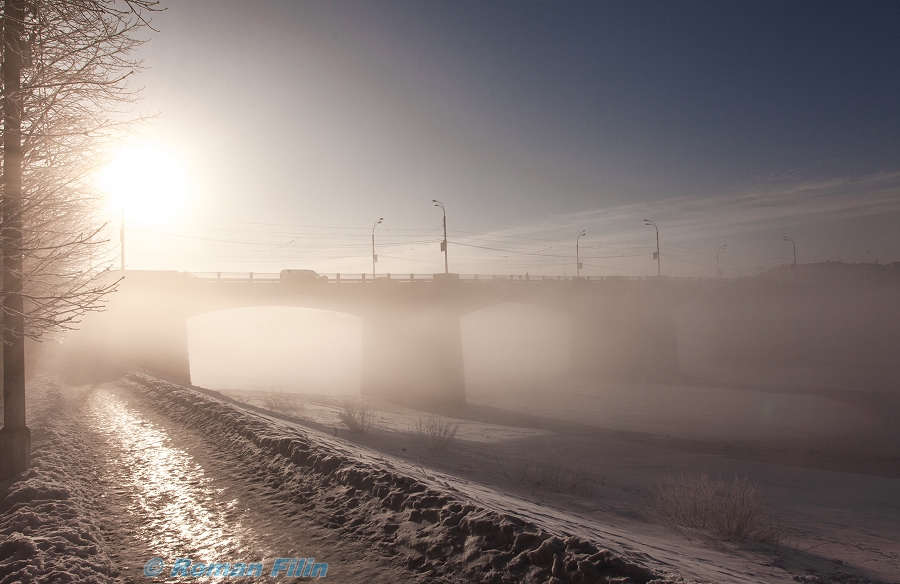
pixel 794 245
pixel 374 257
pixel 577 256
pixel 656 255
pixel 718 271
pixel 443 243
pixel 15 437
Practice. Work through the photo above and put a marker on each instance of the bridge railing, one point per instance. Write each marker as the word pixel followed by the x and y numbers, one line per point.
pixel 357 278
pixel 239 277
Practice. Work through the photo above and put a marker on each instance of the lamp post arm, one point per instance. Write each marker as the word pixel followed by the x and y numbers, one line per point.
pixel 374 257
pixel 794 247
pixel 444 213
pixel 578 255
pixel 658 259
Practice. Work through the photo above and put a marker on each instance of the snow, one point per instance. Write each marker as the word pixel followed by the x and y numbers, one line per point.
pixel 433 531
pixel 47 519
pixel 425 521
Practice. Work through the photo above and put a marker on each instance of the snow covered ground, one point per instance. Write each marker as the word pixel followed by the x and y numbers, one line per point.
pixel 626 439
pixel 420 523
pixel 141 468
pixel 50 517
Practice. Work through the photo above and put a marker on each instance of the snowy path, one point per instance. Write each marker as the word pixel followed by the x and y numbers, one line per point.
pixel 166 493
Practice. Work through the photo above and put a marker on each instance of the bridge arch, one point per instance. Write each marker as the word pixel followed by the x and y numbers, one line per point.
pixel 282 347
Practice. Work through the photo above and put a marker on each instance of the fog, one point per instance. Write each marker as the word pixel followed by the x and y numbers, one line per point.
pixel 789 378
pixel 514 343
pixel 318 351
pixel 276 348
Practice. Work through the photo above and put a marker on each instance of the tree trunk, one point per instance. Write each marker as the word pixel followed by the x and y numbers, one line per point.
pixel 15 441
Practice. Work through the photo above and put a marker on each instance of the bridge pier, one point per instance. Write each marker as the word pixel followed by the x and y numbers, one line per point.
pixel 626 341
pixel 413 357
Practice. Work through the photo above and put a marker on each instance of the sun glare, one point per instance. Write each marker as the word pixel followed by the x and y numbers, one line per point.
pixel 148 182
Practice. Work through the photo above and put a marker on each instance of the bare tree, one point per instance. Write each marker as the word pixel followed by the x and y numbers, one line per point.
pixel 66 65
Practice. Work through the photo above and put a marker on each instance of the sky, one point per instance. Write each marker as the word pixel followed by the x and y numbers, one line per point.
pixel 299 124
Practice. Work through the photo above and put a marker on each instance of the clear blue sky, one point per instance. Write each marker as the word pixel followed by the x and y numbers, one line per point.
pixel 730 123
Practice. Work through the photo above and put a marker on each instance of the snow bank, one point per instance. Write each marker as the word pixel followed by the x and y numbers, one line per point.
pixel 48 532
pixel 425 529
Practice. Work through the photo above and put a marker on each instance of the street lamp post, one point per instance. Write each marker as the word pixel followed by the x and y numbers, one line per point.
pixel 443 243
pixel 656 255
pixel 577 256
pixel 793 245
pixel 718 271
pixel 374 257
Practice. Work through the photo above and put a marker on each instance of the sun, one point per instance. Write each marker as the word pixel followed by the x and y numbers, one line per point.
pixel 148 182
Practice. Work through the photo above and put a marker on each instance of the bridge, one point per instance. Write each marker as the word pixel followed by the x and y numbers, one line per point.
pixel 622 328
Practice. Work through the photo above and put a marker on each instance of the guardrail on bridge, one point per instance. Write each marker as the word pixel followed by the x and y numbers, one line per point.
pixel 357 278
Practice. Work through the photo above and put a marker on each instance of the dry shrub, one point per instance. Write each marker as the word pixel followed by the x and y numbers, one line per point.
pixel 559 475
pixel 552 473
pixel 582 483
pixel 358 416
pixel 279 402
pixel 732 511
pixel 517 471
pixel 436 434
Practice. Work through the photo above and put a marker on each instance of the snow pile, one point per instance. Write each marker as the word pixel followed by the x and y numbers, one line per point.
pixel 47 530
pixel 425 529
